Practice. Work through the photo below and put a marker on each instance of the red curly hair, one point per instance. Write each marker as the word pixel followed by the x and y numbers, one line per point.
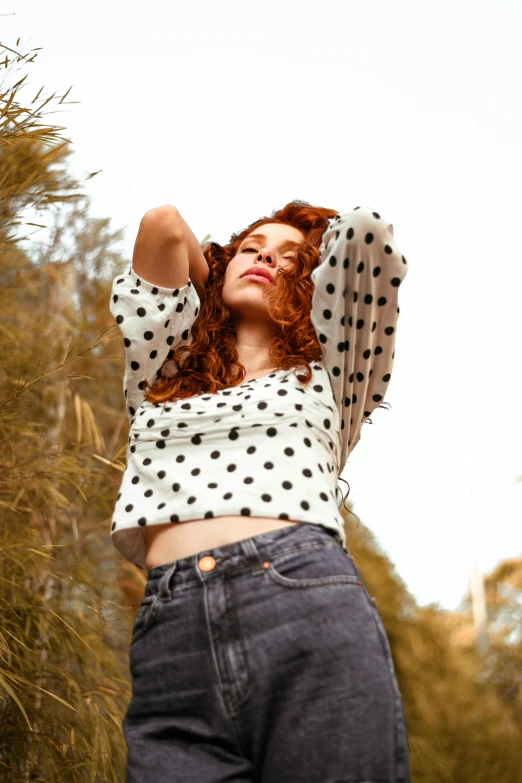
pixel 210 362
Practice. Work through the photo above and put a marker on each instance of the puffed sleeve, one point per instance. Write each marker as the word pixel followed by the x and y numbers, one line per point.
pixel 154 321
pixel 355 312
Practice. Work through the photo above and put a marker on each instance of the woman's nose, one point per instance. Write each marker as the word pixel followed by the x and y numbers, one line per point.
pixel 266 253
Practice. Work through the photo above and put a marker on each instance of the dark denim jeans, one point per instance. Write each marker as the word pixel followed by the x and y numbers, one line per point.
pixel 264 660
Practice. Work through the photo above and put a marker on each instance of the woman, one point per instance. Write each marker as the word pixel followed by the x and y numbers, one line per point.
pixel 257 653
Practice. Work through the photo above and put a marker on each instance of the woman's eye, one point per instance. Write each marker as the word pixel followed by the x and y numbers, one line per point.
pixel 246 249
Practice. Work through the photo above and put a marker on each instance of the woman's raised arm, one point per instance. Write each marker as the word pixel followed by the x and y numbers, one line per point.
pixel 167 253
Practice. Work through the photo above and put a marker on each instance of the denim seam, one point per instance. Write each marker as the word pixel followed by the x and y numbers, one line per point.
pixel 218 672
pixel 147 623
pixel 237 630
pixel 400 737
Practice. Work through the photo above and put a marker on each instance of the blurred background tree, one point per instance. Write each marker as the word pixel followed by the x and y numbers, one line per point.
pixel 464 725
pixel 67 597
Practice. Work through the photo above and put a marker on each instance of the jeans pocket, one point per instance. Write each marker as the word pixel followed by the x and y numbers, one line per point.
pixel 144 617
pixel 312 566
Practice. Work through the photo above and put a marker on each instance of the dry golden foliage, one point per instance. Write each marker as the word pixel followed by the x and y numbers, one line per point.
pixel 462 726
pixel 65 616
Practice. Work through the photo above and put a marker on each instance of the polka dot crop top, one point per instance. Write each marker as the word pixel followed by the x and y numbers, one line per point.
pixel 272 447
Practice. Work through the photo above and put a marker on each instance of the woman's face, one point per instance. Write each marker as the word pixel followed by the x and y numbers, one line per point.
pixel 273 250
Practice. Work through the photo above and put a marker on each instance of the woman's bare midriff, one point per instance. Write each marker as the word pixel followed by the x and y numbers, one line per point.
pixel 172 541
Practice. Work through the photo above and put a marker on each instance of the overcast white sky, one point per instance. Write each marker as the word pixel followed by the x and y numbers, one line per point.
pixel 229 110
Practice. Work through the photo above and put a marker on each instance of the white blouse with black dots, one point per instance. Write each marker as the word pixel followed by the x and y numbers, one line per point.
pixel 271 447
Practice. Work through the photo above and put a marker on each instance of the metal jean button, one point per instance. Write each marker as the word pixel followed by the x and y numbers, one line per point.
pixel 207 563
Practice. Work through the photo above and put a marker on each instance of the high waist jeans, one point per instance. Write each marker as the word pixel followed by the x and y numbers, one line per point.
pixel 264 660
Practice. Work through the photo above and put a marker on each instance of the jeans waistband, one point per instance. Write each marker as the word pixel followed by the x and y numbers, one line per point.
pixel 252 552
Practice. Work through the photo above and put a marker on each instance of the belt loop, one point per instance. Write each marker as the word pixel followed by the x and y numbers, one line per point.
pixel 253 555
pixel 164 589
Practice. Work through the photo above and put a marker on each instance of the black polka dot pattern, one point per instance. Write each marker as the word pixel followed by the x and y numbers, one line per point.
pixel 270 447
pixel 153 322
pixel 355 311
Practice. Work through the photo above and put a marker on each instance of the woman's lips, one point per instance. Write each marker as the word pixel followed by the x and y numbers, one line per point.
pixel 258 278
